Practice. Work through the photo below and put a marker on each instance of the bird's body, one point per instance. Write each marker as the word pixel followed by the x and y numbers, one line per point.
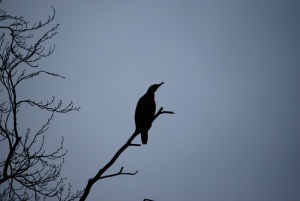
pixel 145 111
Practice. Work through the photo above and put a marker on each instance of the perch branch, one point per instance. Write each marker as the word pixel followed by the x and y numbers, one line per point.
pixel 98 176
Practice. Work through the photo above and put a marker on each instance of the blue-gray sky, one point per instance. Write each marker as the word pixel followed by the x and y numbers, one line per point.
pixel 232 76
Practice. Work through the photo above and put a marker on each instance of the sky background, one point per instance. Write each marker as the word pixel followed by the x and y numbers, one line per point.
pixel 232 76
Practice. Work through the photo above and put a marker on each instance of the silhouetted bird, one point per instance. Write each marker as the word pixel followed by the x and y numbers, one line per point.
pixel 145 111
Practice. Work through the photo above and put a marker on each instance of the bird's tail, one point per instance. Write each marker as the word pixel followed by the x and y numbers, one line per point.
pixel 144 137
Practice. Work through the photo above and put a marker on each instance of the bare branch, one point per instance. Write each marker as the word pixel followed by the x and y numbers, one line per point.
pixel 8 161
pixel 119 173
pixel 48 105
pixel 129 143
pixel 137 145
pixel 27 170
pixel 31 75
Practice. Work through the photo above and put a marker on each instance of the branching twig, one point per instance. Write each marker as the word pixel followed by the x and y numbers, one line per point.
pixel 119 173
pixel 48 105
pixel 27 170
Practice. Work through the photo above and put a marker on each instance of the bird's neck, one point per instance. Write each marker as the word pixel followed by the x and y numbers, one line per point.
pixel 150 94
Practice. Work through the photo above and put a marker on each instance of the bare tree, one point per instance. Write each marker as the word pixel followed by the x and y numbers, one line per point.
pixel 27 170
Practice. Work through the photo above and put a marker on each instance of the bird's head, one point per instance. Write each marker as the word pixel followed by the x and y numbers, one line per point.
pixel 154 87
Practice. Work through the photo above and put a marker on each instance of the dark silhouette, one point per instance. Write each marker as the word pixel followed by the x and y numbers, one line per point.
pixel 28 170
pixel 102 171
pixel 145 111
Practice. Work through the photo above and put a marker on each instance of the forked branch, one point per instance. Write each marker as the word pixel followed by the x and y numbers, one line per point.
pixel 119 173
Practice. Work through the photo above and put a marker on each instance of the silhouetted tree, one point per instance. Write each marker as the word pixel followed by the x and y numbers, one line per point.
pixel 27 170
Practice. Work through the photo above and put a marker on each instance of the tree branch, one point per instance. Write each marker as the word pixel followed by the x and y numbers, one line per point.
pixel 27 170
pixel 47 106
pixel 99 176
pixel 8 160
pixel 119 173
pixel 24 77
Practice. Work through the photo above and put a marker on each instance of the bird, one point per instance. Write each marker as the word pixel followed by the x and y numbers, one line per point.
pixel 145 111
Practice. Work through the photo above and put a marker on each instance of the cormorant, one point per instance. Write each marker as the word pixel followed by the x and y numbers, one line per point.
pixel 145 111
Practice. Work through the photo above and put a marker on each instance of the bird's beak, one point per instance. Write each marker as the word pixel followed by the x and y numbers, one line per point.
pixel 160 84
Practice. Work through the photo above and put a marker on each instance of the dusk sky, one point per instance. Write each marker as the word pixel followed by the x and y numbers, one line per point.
pixel 232 76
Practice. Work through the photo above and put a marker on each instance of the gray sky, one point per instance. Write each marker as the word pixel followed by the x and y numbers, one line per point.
pixel 232 76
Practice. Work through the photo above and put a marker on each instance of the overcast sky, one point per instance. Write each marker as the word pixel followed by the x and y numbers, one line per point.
pixel 232 76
